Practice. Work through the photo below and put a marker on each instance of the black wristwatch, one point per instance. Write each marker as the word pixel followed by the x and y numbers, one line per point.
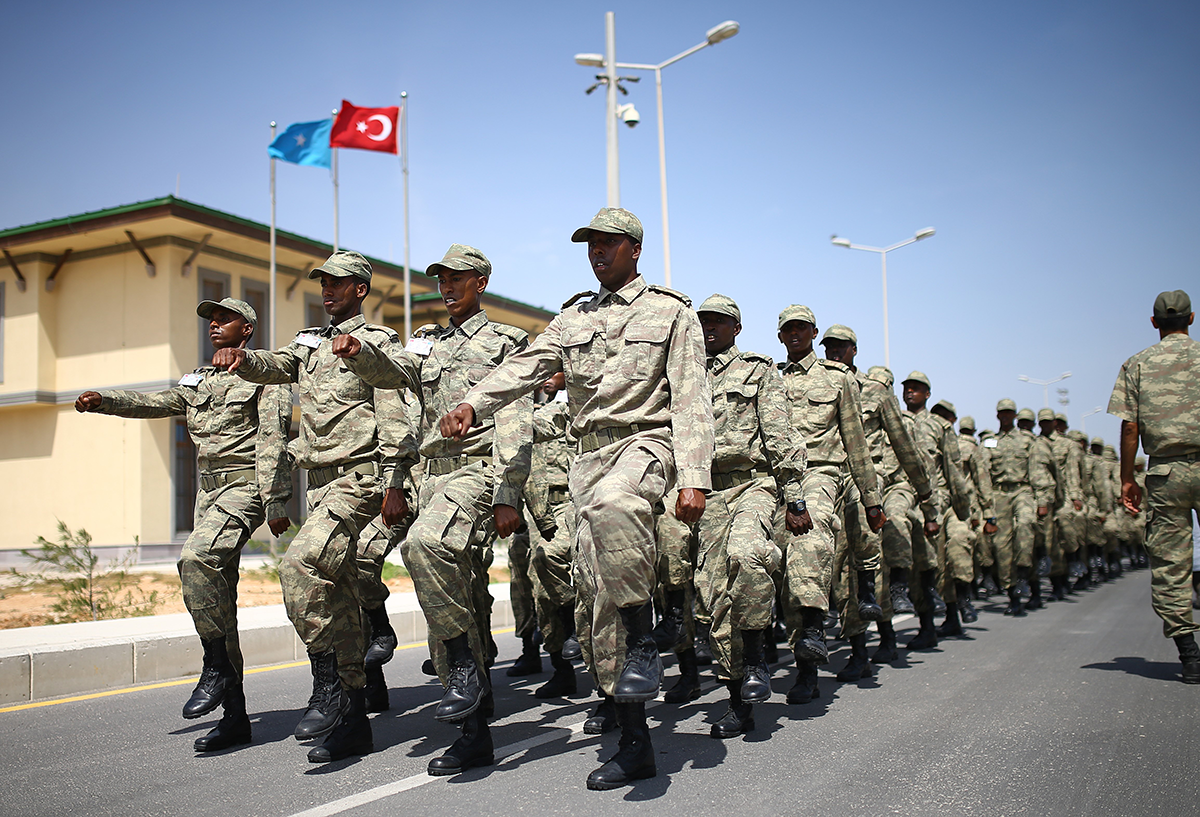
pixel 798 507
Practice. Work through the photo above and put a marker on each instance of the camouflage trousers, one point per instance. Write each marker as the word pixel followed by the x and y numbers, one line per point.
pixel 319 573
pixel 856 548
pixel 676 555
pixel 736 565
pixel 520 578
pixel 959 559
pixel 1043 534
pixel 1068 537
pixel 374 544
pixel 209 562
pixel 552 562
pixel 1172 499
pixel 447 551
pixel 1015 517
pixel 899 500
pixel 617 490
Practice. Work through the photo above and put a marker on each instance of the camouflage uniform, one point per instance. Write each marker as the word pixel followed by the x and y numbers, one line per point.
pixel 985 546
pixel 1100 495
pixel 758 457
pixel 1014 461
pixel 1158 389
pixel 449 544
pixel 240 433
pixel 1068 522
pixel 549 504
pixel 951 550
pixel 1045 494
pixel 642 416
pixel 978 476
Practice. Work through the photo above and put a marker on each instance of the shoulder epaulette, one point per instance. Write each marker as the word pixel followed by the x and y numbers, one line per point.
pixel 386 330
pixel 587 293
pixel 516 333
pixel 672 292
pixel 755 357
pixel 833 364
pixel 422 331
pixel 310 330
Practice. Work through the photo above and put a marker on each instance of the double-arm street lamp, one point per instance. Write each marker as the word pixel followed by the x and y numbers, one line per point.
pixel 1045 384
pixel 1087 414
pixel 608 61
pixel 883 251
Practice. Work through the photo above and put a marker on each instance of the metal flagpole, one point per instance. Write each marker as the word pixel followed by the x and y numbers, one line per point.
pixel 335 194
pixel 404 173
pixel 270 339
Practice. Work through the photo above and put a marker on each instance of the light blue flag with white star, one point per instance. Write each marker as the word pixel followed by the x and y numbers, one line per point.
pixel 304 143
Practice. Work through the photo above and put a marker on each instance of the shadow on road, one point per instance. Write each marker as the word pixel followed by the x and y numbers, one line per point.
pixel 1137 665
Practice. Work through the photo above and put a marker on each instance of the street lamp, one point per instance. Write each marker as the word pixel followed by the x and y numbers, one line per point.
pixel 713 36
pixel 883 251
pixel 1045 384
pixel 1083 422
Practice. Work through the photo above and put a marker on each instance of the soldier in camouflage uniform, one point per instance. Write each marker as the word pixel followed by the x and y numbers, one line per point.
pixel 1101 497
pixel 685 624
pixel 758 457
pixel 471 485
pixel 824 407
pixel 240 434
pixel 642 415
pixel 985 550
pixel 1157 397
pixel 977 471
pixel 1046 496
pixel 1110 561
pixel 1068 511
pixel 350 442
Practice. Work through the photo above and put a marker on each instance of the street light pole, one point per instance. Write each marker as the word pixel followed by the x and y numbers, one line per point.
pixel 1045 384
pixel 883 251
pixel 610 70
pixel 1088 414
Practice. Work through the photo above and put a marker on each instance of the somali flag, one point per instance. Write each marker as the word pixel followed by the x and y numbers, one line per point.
pixel 304 143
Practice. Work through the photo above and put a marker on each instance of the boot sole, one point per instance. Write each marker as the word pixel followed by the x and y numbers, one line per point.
pixel 228 744
pixel 640 774
pixel 635 699
pixel 691 695
pixel 812 657
pixel 358 751
pixel 458 717
pixel 722 734
pixel 599 730
pixel 490 760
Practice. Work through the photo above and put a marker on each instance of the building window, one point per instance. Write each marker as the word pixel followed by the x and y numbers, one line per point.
pixel 255 293
pixel 213 287
pixel 314 311
pixel 186 477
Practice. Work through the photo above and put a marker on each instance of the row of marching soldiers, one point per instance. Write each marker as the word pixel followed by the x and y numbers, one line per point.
pixel 736 487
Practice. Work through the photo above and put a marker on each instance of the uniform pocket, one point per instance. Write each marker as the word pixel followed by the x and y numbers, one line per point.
pixel 645 350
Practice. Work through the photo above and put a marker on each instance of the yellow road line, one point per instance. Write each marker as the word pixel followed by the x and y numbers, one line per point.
pixel 185 681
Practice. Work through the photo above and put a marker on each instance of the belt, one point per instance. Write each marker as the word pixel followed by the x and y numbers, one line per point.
pixel 1192 457
pixel 595 440
pixel 558 495
pixel 211 482
pixel 732 479
pixel 323 476
pixel 440 466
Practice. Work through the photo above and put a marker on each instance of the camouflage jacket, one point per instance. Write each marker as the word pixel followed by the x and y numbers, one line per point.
pixel 550 460
pixel 1068 465
pixel 1158 389
pixel 889 437
pixel 1016 457
pixel 460 357
pixel 1098 490
pixel 234 425
pixel 635 356
pixel 936 438
pixel 978 469
pixel 1044 476
pixel 752 425
pixel 343 421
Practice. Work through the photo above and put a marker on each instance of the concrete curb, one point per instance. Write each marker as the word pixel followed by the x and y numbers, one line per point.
pixel 59 660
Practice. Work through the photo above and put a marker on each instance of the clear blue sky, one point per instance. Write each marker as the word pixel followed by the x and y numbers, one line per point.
pixel 1052 145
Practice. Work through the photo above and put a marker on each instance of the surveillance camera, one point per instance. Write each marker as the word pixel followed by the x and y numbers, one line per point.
pixel 629 115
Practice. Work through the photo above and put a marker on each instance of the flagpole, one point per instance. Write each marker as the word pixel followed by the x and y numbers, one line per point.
pixel 270 339
pixel 404 173
pixel 335 193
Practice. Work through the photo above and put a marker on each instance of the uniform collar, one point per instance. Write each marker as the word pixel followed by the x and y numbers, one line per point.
pixel 720 360
pixel 805 364
pixel 626 293
pixel 470 326
pixel 348 326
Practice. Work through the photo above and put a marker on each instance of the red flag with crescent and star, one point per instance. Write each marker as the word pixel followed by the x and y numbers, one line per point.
pixel 365 128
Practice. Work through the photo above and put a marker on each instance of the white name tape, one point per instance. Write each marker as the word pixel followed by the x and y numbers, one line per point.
pixel 560 396
pixel 308 339
pixel 191 379
pixel 419 346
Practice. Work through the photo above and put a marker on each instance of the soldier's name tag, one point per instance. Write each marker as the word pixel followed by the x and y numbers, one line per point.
pixel 308 339
pixel 990 442
pixel 419 346
pixel 560 396
pixel 191 379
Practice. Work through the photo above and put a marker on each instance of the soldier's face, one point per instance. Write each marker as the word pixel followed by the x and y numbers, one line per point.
pixel 1006 418
pixel 342 295
pixel 461 292
pixel 1025 425
pixel 797 337
pixel 1048 427
pixel 843 351
pixel 915 394
pixel 1097 450
pixel 613 258
pixel 1060 426
pixel 227 329
pixel 719 331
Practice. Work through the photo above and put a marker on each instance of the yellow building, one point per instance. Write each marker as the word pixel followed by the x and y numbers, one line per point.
pixel 108 300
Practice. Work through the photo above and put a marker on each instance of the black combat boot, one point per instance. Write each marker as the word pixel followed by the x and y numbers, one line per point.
pixel 562 682
pixel 901 603
pixel 352 735
pixel 886 652
pixel 376 690
pixel 933 597
pixel 467 686
pixel 427 668
pixel 1189 654
pixel 216 677
pixel 868 607
pixel 926 637
pixel 756 676
pixel 687 686
pixel 966 610
pixel 473 748
pixel 1035 594
pixel 1059 591
pixel 805 688
pixel 1022 586
pixel 858 667
pixel 831 621
pixel 811 646
pixel 671 626
pixel 988 586
pixel 704 653
pixel 641 675
pixel 634 759
pixel 952 626
pixel 383 638
pixel 530 661
pixel 603 719
pixel 234 727
pixel 738 719
pixel 1015 607
pixel 327 703
pixel 571 649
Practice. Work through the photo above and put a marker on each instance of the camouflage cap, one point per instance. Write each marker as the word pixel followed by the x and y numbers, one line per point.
pixel 1045 414
pixel 918 377
pixel 1098 441
pixel 205 309
pixel 966 423
pixel 1026 414
pixel 343 264
pixel 945 405
pixel 1110 453
pixel 1077 436
pixel 721 305
pixel 796 312
pixel 1172 304
pixel 1060 417
pixel 1006 405
pixel 882 374
pixel 987 432
pixel 611 220
pixel 840 332
pixel 462 258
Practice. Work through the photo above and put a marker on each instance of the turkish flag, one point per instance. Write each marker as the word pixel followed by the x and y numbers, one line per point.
pixel 365 128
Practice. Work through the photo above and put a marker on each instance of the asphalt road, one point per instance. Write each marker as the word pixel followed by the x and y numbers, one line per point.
pixel 1075 709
